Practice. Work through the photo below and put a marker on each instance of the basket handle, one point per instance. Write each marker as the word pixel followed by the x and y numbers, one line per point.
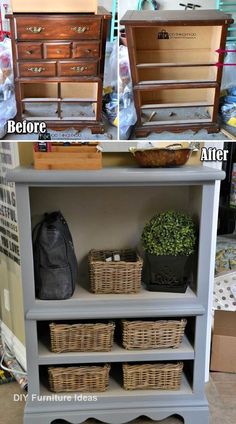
pixel 175 145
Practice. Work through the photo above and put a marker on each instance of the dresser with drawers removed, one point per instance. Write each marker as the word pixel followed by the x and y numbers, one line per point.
pixel 176 68
pixel 59 68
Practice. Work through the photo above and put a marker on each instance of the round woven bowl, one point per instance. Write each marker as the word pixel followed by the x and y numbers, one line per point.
pixel 162 157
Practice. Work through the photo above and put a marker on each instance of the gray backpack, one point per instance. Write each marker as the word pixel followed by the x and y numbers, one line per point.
pixel 55 264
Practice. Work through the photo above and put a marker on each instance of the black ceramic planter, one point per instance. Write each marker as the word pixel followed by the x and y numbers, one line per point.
pixel 167 273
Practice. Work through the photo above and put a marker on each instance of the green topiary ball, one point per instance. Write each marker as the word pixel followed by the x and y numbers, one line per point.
pixel 169 233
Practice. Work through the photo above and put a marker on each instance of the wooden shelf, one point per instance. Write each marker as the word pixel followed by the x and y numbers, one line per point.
pixel 51 100
pixel 40 100
pixel 117 354
pixel 175 105
pixel 82 118
pixel 78 100
pixel 41 118
pixel 147 82
pixel 180 121
pixel 172 64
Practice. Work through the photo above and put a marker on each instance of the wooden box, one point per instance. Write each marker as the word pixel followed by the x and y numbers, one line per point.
pixel 60 6
pixel 175 67
pixel 83 157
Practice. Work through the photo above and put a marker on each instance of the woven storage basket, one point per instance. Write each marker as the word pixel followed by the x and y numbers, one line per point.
pixel 152 376
pixel 115 277
pixel 81 337
pixel 79 379
pixel 152 334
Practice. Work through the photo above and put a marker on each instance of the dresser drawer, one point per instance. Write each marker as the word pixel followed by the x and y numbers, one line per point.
pixel 57 28
pixel 37 69
pixel 57 51
pixel 75 69
pixel 86 50
pixel 29 51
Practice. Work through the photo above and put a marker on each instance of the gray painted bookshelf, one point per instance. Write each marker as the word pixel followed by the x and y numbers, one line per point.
pixel 103 198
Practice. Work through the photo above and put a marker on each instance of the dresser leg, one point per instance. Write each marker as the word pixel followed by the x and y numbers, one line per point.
pixel 196 417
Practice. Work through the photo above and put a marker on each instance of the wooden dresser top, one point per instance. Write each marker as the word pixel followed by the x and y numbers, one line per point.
pixel 180 17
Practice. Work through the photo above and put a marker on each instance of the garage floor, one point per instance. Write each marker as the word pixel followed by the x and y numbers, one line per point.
pixel 220 392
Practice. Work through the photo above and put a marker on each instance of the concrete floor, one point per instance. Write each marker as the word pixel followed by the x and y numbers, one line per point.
pixel 220 392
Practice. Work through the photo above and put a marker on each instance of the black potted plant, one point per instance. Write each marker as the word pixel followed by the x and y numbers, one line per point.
pixel 169 241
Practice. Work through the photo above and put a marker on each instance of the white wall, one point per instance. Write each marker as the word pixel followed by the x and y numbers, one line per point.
pixel 106 3
pixel 165 5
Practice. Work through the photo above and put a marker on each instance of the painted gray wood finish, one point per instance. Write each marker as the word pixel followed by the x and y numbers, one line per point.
pixel 118 406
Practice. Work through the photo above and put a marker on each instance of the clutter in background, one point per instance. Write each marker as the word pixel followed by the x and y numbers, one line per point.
pixel 7 96
pixel 110 96
pixel 152 4
pixel 228 87
pixel 228 78
pixel 225 253
pixel 224 295
pixel 11 367
pixel 190 6
pixel 228 106
pixel 6 377
pixel 4 23
pixel 128 115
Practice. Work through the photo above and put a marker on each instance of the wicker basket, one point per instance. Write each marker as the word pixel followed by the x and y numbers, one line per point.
pixel 152 376
pixel 115 277
pixel 153 334
pixel 81 337
pixel 79 379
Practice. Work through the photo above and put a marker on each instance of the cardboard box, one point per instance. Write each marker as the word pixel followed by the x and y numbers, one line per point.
pixel 59 6
pixel 223 357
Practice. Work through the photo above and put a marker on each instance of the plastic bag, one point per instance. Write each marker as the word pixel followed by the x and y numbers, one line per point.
pixel 124 72
pixel 110 97
pixel 6 71
pixel 228 112
pixel 228 107
pixel 110 106
pixel 111 68
pixel 128 116
pixel 7 94
pixel 229 72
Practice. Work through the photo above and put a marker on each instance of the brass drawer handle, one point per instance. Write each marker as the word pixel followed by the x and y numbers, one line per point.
pixel 35 30
pixel 79 68
pixel 58 51
pixel 88 51
pixel 37 70
pixel 29 52
pixel 80 29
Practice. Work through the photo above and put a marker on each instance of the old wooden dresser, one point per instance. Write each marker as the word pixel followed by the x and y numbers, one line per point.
pixel 59 68
pixel 175 67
